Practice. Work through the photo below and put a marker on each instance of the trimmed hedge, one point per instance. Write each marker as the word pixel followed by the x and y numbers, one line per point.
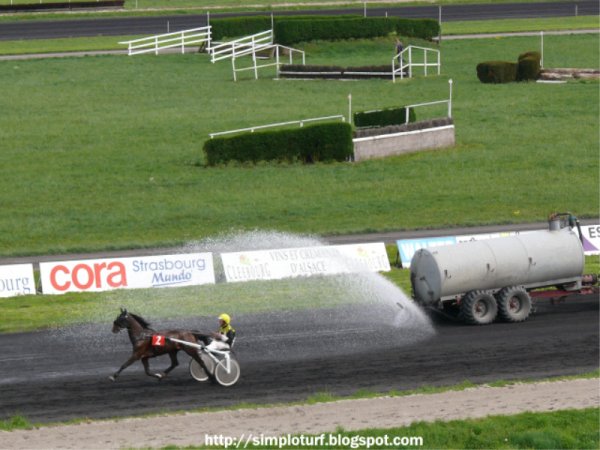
pixel 324 142
pixel 292 31
pixel 529 66
pixel 239 26
pixel 385 117
pixel 245 26
pixel 497 72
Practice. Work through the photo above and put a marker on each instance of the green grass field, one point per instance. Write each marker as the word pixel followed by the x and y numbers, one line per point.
pixel 105 152
pixel 570 429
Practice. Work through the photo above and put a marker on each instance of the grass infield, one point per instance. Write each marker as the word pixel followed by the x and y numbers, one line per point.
pixel 105 152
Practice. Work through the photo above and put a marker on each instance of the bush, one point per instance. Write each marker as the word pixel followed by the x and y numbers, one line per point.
pixel 529 66
pixel 325 142
pixel 239 26
pixel 292 31
pixel 497 72
pixel 385 117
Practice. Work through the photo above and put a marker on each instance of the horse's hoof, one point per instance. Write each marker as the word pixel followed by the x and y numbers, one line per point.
pixel 112 378
pixel 160 376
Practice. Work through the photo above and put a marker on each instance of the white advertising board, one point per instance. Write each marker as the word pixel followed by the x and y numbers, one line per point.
pixel 591 239
pixel 408 247
pixel 96 275
pixel 305 261
pixel 16 279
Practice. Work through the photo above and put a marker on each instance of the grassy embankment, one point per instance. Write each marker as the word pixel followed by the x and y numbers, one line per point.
pixel 105 152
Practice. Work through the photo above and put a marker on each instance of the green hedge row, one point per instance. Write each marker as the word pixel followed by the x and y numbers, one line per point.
pixel 290 30
pixel 324 142
pixel 384 117
pixel 527 68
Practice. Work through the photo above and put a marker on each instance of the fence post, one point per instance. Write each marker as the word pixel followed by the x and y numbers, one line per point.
pixel 183 42
pixel 156 45
pixel 542 49
pixel 450 99
pixel 350 108
pixel 425 61
pixel 410 62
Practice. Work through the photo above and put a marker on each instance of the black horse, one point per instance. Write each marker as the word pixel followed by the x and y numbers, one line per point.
pixel 140 335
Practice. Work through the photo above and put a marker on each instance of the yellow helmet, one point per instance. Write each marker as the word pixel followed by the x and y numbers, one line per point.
pixel 225 318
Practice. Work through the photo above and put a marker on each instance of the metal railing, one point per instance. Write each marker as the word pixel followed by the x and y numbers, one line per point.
pixel 255 66
pixel 405 61
pixel 280 124
pixel 153 44
pixel 241 46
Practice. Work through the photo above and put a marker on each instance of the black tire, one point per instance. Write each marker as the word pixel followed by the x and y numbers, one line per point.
pixel 225 377
pixel 514 304
pixel 478 308
pixel 197 371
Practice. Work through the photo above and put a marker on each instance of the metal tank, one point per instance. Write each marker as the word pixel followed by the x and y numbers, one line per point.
pixel 536 259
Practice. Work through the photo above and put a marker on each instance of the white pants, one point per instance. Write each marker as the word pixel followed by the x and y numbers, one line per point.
pixel 218 345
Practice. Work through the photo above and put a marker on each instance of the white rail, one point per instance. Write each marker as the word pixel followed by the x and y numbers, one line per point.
pixel 280 124
pixel 154 44
pixel 405 61
pixel 241 46
pixel 255 66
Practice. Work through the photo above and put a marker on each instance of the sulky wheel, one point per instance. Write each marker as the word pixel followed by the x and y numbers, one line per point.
pixel 478 308
pixel 196 370
pixel 227 376
pixel 514 304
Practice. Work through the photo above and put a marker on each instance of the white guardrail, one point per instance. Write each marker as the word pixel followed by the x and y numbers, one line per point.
pixel 406 61
pixel 280 124
pixel 153 44
pixel 255 66
pixel 242 46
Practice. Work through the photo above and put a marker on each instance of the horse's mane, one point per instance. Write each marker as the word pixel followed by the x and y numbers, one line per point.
pixel 141 320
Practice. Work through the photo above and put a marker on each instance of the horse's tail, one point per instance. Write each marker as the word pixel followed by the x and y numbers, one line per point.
pixel 203 337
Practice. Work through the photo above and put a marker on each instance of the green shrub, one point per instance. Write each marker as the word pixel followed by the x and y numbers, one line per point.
pixel 529 66
pixel 325 142
pixel 385 117
pixel 497 72
pixel 239 26
pixel 292 31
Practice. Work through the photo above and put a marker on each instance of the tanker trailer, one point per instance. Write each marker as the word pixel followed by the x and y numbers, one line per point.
pixel 478 281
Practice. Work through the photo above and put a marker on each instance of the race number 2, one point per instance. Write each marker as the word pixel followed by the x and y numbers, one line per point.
pixel 158 340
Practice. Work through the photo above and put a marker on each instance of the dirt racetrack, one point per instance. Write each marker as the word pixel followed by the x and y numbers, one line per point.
pixel 60 375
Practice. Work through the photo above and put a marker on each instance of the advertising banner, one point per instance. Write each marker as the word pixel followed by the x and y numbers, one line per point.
pixel 305 261
pixel 591 239
pixel 16 279
pixel 408 247
pixel 96 275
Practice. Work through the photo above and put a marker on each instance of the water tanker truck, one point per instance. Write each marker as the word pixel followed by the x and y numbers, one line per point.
pixel 480 281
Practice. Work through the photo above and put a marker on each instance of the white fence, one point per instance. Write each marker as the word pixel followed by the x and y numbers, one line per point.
pixel 241 46
pixel 278 54
pixel 154 44
pixel 280 124
pixel 407 62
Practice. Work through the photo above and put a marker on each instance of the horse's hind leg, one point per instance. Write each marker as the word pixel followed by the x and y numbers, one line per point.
pixel 133 358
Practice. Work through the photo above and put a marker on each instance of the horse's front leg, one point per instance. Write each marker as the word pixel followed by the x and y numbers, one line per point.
pixel 174 363
pixel 147 369
pixel 133 358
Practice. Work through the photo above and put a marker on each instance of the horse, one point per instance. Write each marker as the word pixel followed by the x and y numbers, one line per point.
pixel 140 335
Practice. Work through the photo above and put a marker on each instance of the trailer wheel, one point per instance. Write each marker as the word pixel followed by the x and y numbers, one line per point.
pixel 478 308
pixel 514 304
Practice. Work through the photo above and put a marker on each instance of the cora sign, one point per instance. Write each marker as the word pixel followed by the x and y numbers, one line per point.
pixel 95 275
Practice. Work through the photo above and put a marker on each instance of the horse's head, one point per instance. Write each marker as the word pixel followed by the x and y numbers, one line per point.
pixel 121 321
